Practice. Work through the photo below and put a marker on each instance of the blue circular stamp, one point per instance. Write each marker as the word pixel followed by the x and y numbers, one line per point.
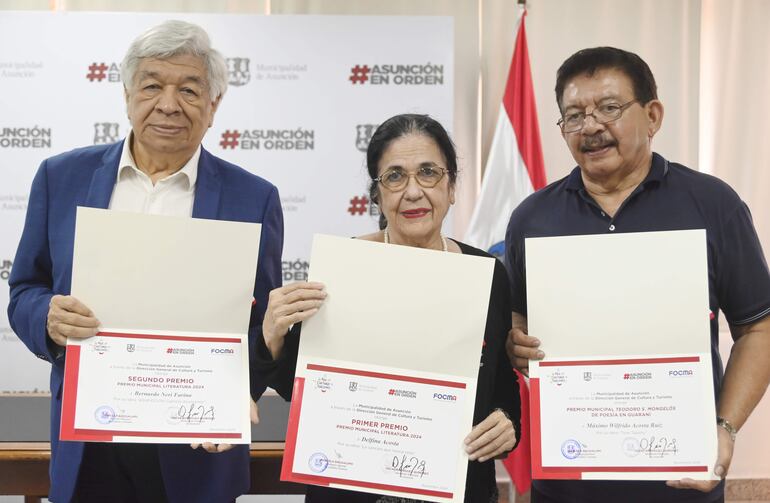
pixel 631 447
pixel 570 449
pixel 104 414
pixel 318 462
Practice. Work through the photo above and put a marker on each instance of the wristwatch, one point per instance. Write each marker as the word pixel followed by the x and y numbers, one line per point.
pixel 727 425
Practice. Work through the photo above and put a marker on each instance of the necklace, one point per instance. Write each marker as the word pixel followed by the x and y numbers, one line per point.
pixel 444 245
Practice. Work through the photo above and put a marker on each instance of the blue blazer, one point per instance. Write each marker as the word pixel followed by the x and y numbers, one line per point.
pixel 43 268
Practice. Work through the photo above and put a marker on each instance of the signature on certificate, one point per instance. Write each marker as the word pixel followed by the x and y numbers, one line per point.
pixel 408 466
pixel 655 447
pixel 195 413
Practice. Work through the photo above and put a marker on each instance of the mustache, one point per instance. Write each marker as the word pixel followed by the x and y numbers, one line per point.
pixel 596 142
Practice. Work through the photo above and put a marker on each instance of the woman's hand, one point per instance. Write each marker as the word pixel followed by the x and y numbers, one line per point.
pixel 286 306
pixel 490 438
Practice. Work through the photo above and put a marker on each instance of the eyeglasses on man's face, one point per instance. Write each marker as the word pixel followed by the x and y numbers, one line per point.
pixel 572 122
pixel 427 176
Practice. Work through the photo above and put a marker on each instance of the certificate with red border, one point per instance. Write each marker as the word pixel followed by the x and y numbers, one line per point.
pixel 626 388
pixel 174 297
pixel 622 418
pixel 156 388
pixel 381 431
pixel 386 374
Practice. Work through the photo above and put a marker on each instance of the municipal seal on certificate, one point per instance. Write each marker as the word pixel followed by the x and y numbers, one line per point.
pixel 318 462
pixel 570 449
pixel 104 414
pixel 631 447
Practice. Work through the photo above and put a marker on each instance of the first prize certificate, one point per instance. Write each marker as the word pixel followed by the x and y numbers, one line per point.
pixel 385 383
pixel 170 363
pixel 391 430
pixel 155 387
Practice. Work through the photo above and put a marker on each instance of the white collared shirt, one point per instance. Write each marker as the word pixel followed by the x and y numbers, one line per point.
pixel 134 191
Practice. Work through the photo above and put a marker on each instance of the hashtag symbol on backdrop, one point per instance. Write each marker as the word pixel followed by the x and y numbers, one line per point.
pixel 358 205
pixel 359 74
pixel 96 72
pixel 392 392
pixel 230 139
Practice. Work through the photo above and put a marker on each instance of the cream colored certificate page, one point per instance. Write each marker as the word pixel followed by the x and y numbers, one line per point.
pixel 619 294
pixel 403 310
pixel 397 306
pixel 161 273
pixel 632 294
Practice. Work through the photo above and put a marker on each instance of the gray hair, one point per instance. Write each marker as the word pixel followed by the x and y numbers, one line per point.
pixel 174 38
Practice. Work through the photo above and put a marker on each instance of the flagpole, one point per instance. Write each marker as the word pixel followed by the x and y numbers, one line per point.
pixel 514 170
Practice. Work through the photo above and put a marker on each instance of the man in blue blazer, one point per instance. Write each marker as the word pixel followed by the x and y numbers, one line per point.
pixel 174 82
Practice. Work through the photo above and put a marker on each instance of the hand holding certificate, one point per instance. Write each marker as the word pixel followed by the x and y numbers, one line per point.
pixel 625 390
pixel 170 361
pixel 384 391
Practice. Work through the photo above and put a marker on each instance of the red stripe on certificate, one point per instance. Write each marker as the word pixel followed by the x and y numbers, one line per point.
pixel 287 467
pixel 86 434
pixel 381 375
pixel 534 432
pixel 325 481
pixel 67 430
pixel 186 338
pixel 538 472
pixel 626 361
pixel 575 473
pixel 70 393
pixel 551 470
pixel 96 437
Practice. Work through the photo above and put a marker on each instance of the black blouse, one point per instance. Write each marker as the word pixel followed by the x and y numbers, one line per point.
pixel 497 389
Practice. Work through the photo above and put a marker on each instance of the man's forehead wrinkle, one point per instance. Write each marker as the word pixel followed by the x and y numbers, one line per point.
pixel 148 73
pixel 584 90
pixel 158 75
pixel 602 97
pixel 194 78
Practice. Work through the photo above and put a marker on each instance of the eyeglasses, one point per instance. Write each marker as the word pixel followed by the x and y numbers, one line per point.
pixel 397 178
pixel 603 114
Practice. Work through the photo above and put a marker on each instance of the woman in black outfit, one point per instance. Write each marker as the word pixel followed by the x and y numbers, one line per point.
pixel 413 167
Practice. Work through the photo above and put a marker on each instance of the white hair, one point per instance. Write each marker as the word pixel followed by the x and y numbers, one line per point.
pixel 174 38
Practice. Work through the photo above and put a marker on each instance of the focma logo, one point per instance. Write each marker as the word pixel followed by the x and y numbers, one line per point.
pixel 680 373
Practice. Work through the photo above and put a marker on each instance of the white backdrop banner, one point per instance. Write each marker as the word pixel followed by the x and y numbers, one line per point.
pixel 305 95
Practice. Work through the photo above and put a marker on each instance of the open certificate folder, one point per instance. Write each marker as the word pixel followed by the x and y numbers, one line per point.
pixel 170 363
pixel 626 390
pixel 386 374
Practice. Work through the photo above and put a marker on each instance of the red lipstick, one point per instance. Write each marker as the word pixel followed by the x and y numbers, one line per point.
pixel 415 212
